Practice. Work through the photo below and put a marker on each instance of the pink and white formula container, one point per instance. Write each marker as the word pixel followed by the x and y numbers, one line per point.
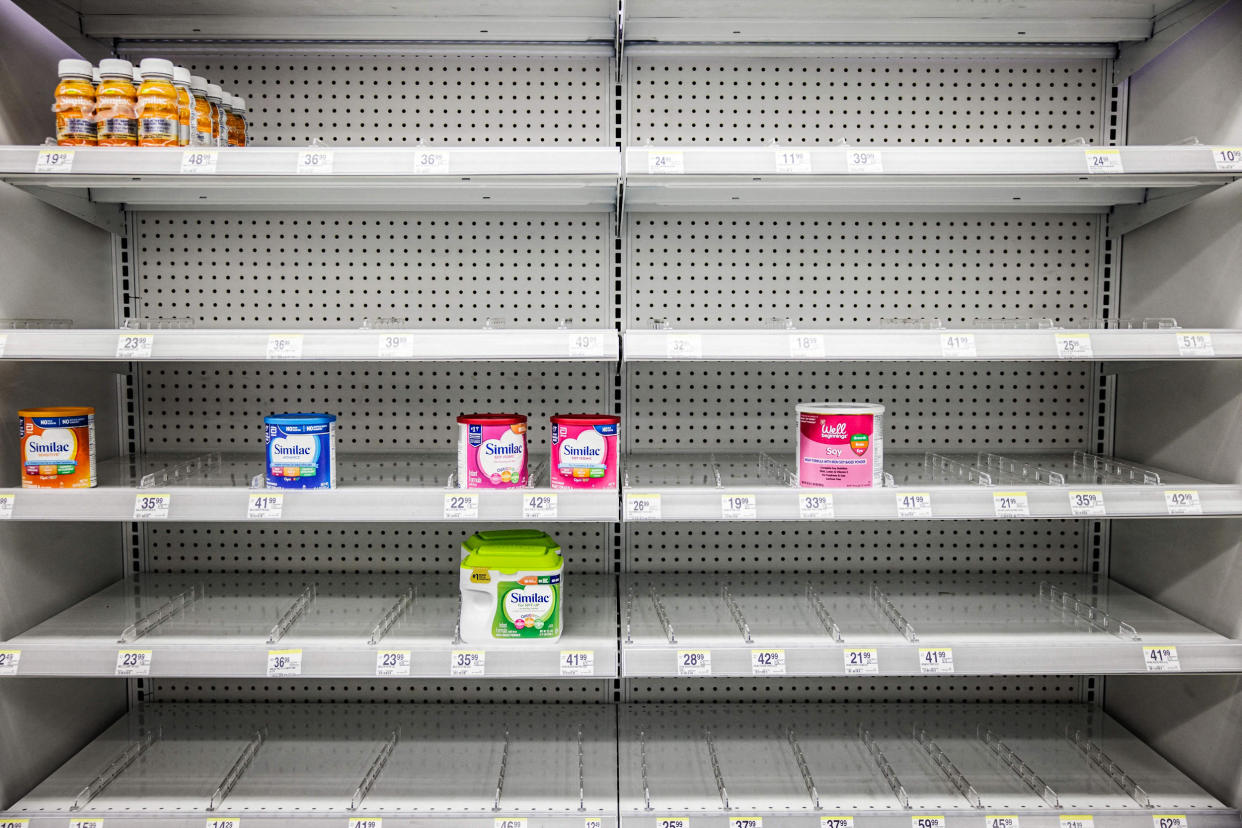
pixel 584 451
pixel 840 445
pixel 491 451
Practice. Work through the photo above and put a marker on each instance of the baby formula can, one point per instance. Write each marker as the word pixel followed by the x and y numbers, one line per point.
pixel 491 451
pixel 840 445
pixel 512 586
pixel 301 451
pixel 584 451
pixel 58 447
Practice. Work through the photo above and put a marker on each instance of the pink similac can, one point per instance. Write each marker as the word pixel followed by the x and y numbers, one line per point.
pixel 584 451
pixel 840 445
pixel 491 451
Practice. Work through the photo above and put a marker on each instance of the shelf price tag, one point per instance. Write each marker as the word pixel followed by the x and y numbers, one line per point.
pixel 684 346
pixel 315 162
pixel 7 502
pixel 745 822
pixel 1073 346
pixel 1183 502
pixel 914 505
pixel 54 161
pixel 836 822
pixel 89 822
pixel 509 822
pixel 665 162
pixel 1192 344
pixel 431 162
pixel 396 346
pixel 673 822
pixel 392 663
pixel 642 506
pixel 539 507
pixel 806 346
pixel 284 663
pixel 926 822
pixel 935 660
pixel 586 345
pixel 133 662
pixel 1087 504
pixel 461 506
pixel 1010 504
pixel 366 822
pixel 1161 660
pixel 152 506
pixel 4 340
pixel 793 161
pixel 1169 821
pixel 815 507
pixel 134 346
pixel 223 822
pixel 265 506
pixel 862 661
pixel 738 507
pixel 694 662
pixel 284 346
pixel 1000 821
pixel 1084 821
pixel 592 822
pixel 864 161
pixel 14 823
pixel 577 662
pixel 467 662
pixel 1104 161
pixel 958 346
pixel 1228 159
pixel 10 660
pixel 199 162
pixel 767 662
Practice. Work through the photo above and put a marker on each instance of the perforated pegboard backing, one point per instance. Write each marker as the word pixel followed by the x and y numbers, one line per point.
pixel 709 99
pixel 993 689
pixel 547 691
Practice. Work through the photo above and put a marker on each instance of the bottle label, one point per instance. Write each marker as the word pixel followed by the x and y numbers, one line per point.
pixel 118 129
pixel 158 131
pixel 75 128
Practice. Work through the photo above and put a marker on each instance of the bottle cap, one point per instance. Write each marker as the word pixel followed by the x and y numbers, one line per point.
pixel 156 66
pixel 199 85
pixel 214 92
pixel 239 103
pixel 181 75
pixel 95 76
pixel 116 68
pixel 136 76
pixel 73 67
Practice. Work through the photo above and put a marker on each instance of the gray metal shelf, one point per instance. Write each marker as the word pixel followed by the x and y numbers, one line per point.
pixel 815 625
pixel 338 625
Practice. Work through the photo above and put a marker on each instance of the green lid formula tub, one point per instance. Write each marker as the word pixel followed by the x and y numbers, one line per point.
pixel 512 586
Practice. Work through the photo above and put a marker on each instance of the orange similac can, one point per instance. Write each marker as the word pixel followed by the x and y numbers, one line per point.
pixel 58 447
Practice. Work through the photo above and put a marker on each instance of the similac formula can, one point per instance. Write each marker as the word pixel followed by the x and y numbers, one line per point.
pixel 58 447
pixel 584 451
pixel 301 451
pixel 512 587
pixel 491 451
pixel 840 445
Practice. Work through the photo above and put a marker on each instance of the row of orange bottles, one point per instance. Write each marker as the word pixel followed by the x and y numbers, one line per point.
pixel 155 105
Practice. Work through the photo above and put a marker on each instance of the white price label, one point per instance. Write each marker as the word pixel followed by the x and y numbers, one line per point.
pixel 694 662
pixel 366 822
pixel 223 822
pixel 577 662
pixel 836 822
pixel 152 506
pixel 284 346
pixel 738 507
pixel 467 663
pixel 461 506
pixel 806 346
pixel 10 660
pixel 88 822
pixel 793 161
pixel 1104 161
pixel 396 345
pixel 7 502
pixel 746 822
pixel 1169 821
pixel 1228 159
pixel 509 822
pixel 539 507
pixel 642 506
pixel 958 346
pixel 592 822
pixel 284 663
pixel 864 161
pixel 133 662
pixel 666 162
pixel 392 663
pixel 862 661
pixel 767 662
pixel 672 822
pixel 315 162
pixel 914 505
pixel 199 162
pixel 815 507
pixel 265 506
pixel 1183 502
pixel 1161 660
pixel 134 346
pixel 14 823
pixel 1073 346
pixel 1008 821
pixel 935 660
pixel 1191 344
pixel 1084 821
pixel 1010 504
pixel 1087 504
pixel 586 345
pixel 927 822
pixel 54 161
pixel 684 346
pixel 431 162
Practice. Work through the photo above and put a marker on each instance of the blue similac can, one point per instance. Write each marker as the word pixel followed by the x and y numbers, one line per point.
pixel 301 451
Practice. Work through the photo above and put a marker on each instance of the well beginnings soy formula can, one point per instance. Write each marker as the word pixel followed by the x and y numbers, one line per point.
pixel 491 451
pixel 584 451
pixel 301 451
pixel 58 447
pixel 840 445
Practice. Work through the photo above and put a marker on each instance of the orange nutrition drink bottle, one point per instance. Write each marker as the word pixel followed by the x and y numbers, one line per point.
pixel 219 128
pixel 239 106
pixel 115 121
pixel 75 104
pixel 200 124
pixel 237 132
pixel 158 122
pixel 185 104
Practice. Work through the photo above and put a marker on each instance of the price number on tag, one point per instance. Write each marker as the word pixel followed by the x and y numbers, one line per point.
pixel 864 161
pixel 431 162
pixel 224 822
pixel 1073 346
pixel 862 661
pixel 1227 159
pixel 54 161
pixel 673 822
pixel 1087 504
pixel 7 502
pixel 666 162
pixel 793 161
pixel 466 662
pixel 1195 344
pixel 461 506
pixel 366 822
pixel 815 506
pixel 745 822
pixel 767 662
pixel 537 507
pixel 914 505
pixel 592 822
pixel 836 822
pixel 315 162
pixel 1085 821
pixel 577 662
pixel 1010 504
pixel 1001 822
pixel 14 823
pixel 10 660
pixel 694 662
pixel 1169 821
pixel 284 346
pixel 806 346
pixel 509 822
pixel 642 506
pixel 134 346
pixel 199 162
pixel 396 346
pixel 586 345
pixel 265 506
pixel 927 822
pixel 684 346
pixel 1183 502
pixel 1161 660
pixel 284 663
pixel 152 506
pixel 392 663
pixel 738 507
pixel 133 663
pixel 935 660
pixel 958 346
pixel 86 823
pixel 1104 161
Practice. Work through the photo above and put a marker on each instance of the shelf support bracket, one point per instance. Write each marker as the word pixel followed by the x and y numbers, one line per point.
pixel 825 617
pixel 881 762
pixel 642 758
pixel 715 760
pixel 108 217
pixel 809 782
pixel 239 767
pixel 391 616
pixel 115 768
pixel 1020 768
pixel 1096 756
pixel 662 614
pixel 500 777
pixel 947 767
pixel 890 611
pixel 581 773
pixel 736 612
pixel 290 616
pixel 159 615
pixel 373 772
pixel 1168 30
pixel 1127 217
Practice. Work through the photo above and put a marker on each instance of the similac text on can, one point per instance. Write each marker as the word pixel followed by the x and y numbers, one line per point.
pixel 584 451
pixel 840 445
pixel 58 447
pixel 491 451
